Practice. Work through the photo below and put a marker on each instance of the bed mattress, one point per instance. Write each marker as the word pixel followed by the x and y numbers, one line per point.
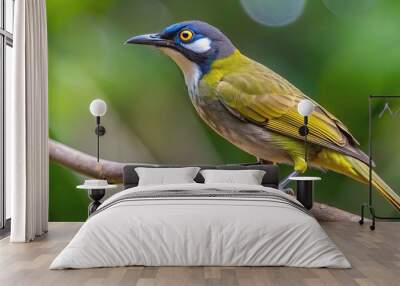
pixel 201 225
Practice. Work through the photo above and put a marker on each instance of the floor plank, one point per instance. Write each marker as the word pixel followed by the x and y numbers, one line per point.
pixel 375 257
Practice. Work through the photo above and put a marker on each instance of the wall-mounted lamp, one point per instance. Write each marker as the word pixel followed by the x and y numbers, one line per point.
pixel 98 108
pixel 305 108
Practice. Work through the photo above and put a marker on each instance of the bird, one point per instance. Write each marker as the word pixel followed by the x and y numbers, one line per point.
pixel 255 109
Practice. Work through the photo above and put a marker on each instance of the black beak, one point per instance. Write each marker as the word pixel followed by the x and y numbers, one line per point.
pixel 151 40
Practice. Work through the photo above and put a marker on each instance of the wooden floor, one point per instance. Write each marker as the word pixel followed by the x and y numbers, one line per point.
pixel 375 257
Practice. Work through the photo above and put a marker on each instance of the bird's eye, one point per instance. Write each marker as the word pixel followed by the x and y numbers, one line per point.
pixel 186 35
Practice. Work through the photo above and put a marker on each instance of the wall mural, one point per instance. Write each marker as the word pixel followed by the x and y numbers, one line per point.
pixel 338 63
pixel 255 108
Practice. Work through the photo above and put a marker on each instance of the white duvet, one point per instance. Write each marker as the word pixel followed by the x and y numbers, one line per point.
pixel 188 231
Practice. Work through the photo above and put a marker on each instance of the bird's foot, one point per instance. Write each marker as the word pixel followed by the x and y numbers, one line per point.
pixel 288 191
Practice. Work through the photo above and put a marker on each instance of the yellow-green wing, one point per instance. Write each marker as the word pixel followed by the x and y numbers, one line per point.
pixel 263 97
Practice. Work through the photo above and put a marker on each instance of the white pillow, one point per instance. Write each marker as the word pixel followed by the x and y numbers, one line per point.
pixel 246 177
pixel 163 176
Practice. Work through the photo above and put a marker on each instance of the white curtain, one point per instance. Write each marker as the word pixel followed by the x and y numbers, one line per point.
pixel 27 124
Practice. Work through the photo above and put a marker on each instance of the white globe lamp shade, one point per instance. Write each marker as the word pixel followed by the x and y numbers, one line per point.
pixel 98 107
pixel 305 107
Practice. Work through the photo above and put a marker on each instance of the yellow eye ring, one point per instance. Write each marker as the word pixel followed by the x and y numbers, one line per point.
pixel 186 35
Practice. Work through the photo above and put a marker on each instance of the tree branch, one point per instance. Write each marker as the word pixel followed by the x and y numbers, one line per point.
pixel 112 171
pixel 84 163
pixel 323 212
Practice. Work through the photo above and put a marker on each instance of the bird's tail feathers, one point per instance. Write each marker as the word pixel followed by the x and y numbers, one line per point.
pixel 357 170
pixel 384 189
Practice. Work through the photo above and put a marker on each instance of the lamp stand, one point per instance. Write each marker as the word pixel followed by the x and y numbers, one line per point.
pixel 303 131
pixel 100 131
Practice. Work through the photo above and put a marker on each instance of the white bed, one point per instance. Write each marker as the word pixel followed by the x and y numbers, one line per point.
pixel 245 225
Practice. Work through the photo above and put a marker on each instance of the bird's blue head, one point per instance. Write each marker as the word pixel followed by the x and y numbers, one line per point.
pixel 189 43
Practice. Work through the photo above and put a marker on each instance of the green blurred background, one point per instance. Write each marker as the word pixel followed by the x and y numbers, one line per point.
pixel 336 51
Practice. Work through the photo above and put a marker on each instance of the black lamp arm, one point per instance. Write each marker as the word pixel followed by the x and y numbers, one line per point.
pixel 100 131
pixel 303 130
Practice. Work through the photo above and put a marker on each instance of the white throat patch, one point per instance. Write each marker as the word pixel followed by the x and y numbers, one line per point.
pixel 200 46
pixel 190 70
